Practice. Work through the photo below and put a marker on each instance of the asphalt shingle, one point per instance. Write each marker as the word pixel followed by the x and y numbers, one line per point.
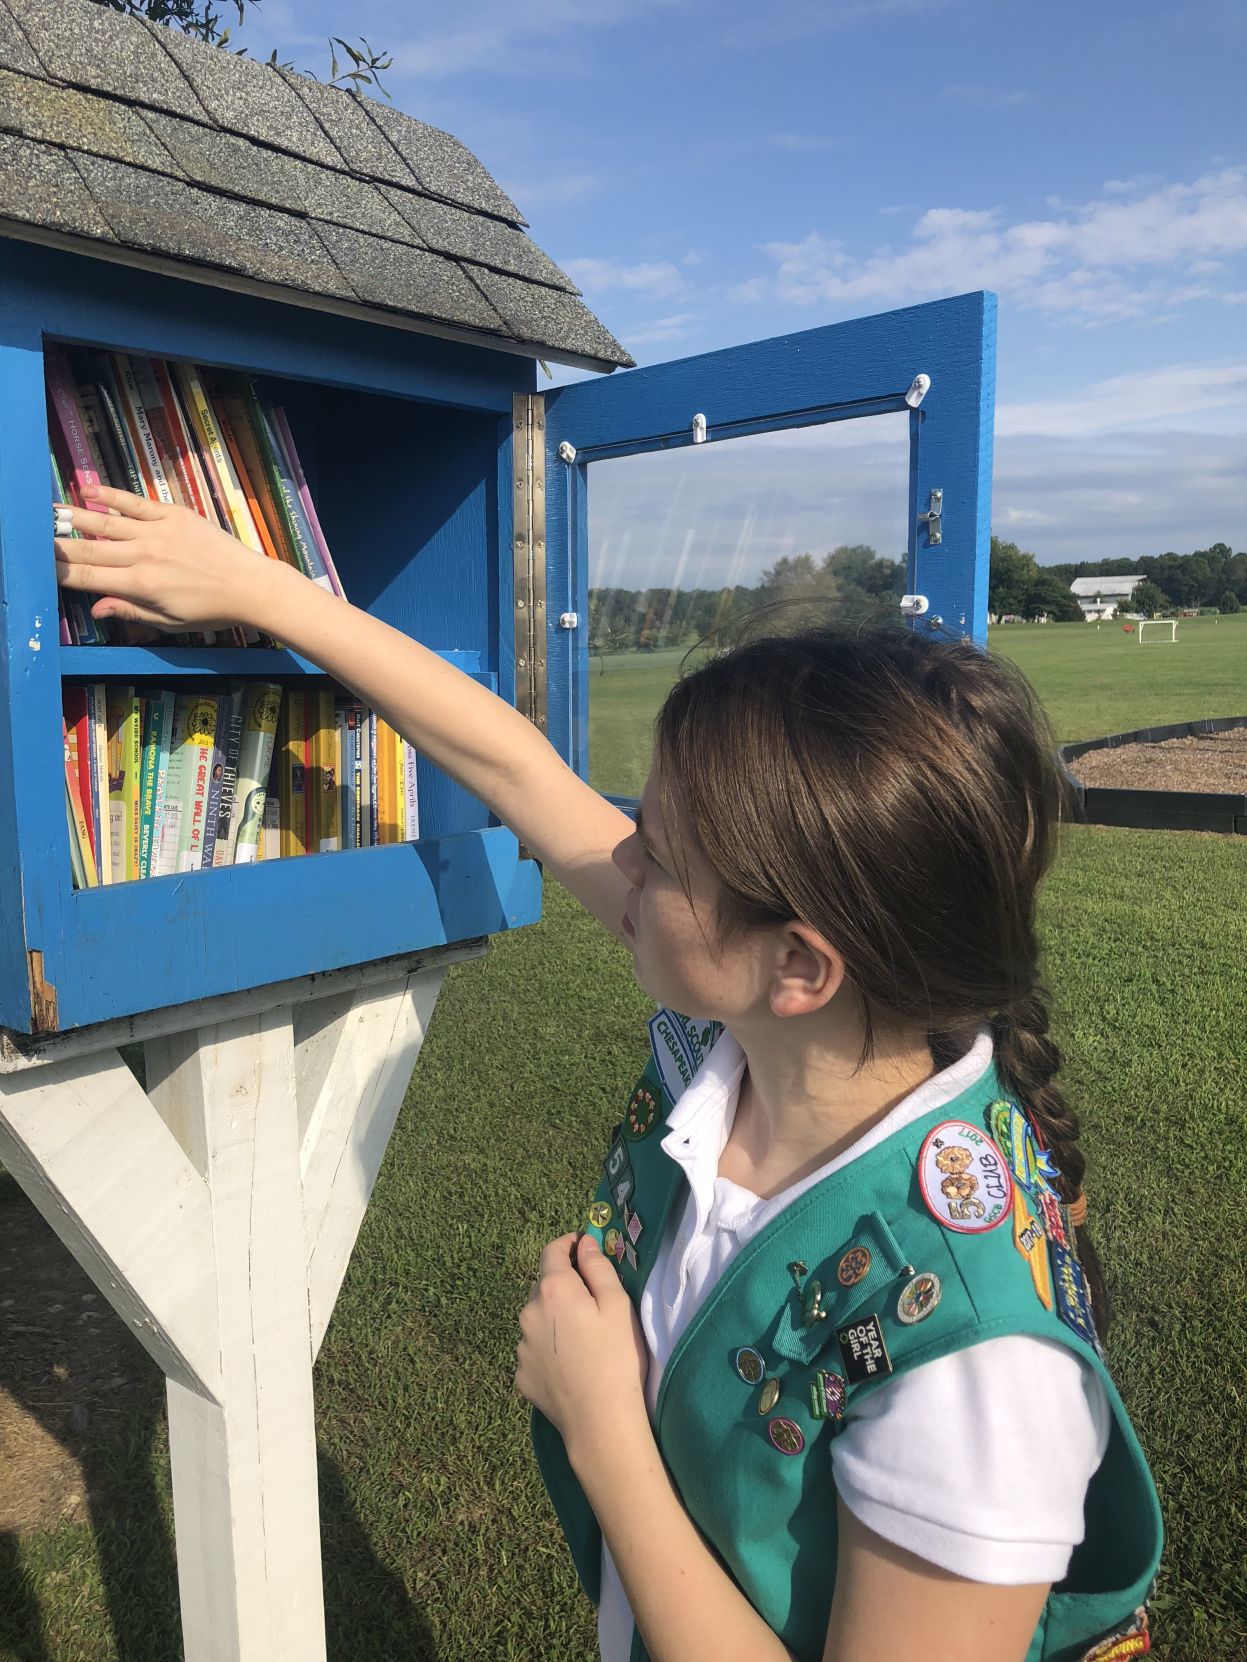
pixel 191 224
pixel 225 161
pixel 549 317
pixel 442 165
pixel 15 50
pixel 243 96
pixel 361 142
pixel 408 279
pixel 42 187
pixel 90 46
pixel 470 236
pixel 80 121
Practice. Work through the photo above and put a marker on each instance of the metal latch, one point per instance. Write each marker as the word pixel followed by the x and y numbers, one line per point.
pixel 914 605
pixel 567 452
pixel 569 620
pixel 931 519
pixel 699 429
pixel 919 387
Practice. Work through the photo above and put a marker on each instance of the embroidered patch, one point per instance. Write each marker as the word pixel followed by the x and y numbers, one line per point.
pixel 853 1266
pixel 964 1179
pixel 1031 1166
pixel 642 1111
pixel 1136 1640
pixel 618 1169
pixel 863 1351
pixel 749 1364
pixel 673 1054
pixel 1073 1300
pixel 1028 1238
pixel 1053 1222
pixel 827 1394
pixel 918 1298
pixel 786 1435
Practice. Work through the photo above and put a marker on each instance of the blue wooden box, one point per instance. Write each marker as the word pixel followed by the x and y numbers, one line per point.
pixel 407 442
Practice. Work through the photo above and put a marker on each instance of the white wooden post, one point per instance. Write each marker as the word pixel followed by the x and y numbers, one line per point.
pixel 217 1213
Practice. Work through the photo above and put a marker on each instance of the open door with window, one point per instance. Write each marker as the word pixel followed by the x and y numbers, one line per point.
pixel 927 371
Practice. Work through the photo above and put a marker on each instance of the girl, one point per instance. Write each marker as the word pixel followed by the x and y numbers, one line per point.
pixel 820 1377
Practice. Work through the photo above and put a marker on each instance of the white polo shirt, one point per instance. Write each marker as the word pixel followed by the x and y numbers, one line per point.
pixel 1035 1415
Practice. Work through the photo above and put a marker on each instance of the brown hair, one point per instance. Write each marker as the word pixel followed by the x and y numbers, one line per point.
pixel 903 801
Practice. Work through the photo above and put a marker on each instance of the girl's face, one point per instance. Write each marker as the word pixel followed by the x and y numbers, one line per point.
pixel 677 955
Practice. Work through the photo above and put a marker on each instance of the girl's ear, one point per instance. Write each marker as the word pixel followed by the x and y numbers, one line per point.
pixel 808 971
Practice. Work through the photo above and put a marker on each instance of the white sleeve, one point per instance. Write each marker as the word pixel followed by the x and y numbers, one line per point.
pixel 979 1461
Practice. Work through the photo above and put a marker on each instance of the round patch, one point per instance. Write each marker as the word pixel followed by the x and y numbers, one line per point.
pixel 786 1435
pixel 853 1266
pixel 964 1178
pixel 749 1365
pixel 918 1298
pixel 600 1214
pixel 639 1120
pixel 611 1243
pixel 769 1397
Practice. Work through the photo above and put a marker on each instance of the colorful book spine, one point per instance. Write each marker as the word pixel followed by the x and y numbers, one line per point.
pixel 77 721
pixel 157 484
pixel 326 829
pixel 281 427
pixel 77 866
pixel 344 743
pixel 411 795
pixel 167 835
pixel 120 706
pixel 199 744
pixel 255 762
pixel 270 832
pixel 97 738
pixel 205 420
pixel 81 475
pixel 81 841
pixel 227 704
pixel 99 371
pixel 239 436
pixel 285 493
pixel 226 790
pixel 374 806
pixel 157 740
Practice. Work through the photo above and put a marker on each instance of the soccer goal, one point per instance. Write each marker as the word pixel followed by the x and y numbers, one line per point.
pixel 1155 625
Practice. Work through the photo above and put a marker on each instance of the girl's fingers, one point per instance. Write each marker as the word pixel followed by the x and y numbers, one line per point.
pixel 115 527
pixel 106 561
pixel 126 503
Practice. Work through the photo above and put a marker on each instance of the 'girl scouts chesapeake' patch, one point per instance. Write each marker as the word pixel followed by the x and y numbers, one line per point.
pixel 964 1178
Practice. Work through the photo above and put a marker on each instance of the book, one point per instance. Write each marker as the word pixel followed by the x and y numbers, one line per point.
pixel 239 435
pixel 285 494
pixel 167 832
pixel 411 797
pixel 155 482
pixel 228 727
pixel 292 781
pixel 325 826
pixel 76 706
pixel 98 372
pixel 204 419
pixel 121 752
pixel 255 763
pixel 374 809
pixel 97 740
pixel 281 427
pixel 344 742
pixel 157 740
pixel 200 738
pixel 270 831
pixel 227 794
pixel 81 840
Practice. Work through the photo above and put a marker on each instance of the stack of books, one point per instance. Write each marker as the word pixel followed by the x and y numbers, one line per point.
pixel 173 432
pixel 163 782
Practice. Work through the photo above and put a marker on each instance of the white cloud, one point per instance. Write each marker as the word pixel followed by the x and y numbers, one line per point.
pixel 678 326
pixel 544 38
pixel 658 278
pixel 1107 260
pixel 1191 397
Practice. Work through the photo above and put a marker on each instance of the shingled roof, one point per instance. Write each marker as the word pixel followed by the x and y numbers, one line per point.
pixel 136 143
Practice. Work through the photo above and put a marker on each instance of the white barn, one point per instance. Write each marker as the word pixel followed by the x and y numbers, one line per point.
pixel 1102 597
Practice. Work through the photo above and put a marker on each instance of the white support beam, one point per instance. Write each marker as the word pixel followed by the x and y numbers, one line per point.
pixel 81 1140
pixel 361 1089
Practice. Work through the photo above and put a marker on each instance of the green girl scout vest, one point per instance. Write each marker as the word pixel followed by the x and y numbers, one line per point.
pixel 947 1233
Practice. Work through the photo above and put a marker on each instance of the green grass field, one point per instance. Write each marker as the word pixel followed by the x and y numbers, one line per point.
pixel 439 1543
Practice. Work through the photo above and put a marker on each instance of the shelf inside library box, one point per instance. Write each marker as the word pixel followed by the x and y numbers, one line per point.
pixel 251 663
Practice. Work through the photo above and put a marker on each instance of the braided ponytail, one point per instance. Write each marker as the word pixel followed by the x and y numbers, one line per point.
pixel 1027 1061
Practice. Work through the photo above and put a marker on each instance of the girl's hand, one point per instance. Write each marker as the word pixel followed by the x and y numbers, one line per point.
pixel 158 564
pixel 581 1359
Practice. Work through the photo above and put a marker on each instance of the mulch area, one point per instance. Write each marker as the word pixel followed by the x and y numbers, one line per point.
pixel 1203 762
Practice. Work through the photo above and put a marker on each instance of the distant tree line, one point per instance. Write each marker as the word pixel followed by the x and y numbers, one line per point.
pixel 1020 586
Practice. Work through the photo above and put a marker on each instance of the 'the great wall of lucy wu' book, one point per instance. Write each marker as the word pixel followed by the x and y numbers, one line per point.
pixel 160 782
pixel 209 440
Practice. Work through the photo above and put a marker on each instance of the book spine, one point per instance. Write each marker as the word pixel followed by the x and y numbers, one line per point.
pixel 68 421
pixel 227 798
pixel 150 403
pixel 374 810
pixel 255 761
pixel 216 778
pixel 147 782
pixel 206 420
pixel 77 867
pixel 132 735
pixel 77 717
pixel 344 740
pixel 361 774
pixel 170 804
pixel 239 436
pixel 158 488
pixel 200 738
pixel 281 427
pixel 82 837
pixel 411 795
pixel 105 382
pixel 97 731
pixel 270 837
pixel 197 439
pixel 117 703
pixel 294 776
pixel 281 483
pixel 112 469
pixel 328 773
pixel 165 702
pixel 195 492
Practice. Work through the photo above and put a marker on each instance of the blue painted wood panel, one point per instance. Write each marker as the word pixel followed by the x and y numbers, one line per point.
pixel 841 372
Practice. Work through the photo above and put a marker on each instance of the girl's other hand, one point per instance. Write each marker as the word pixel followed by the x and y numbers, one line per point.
pixel 158 564
pixel 581 1359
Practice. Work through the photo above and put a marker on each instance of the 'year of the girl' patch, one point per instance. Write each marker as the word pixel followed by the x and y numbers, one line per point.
pixel 964 1178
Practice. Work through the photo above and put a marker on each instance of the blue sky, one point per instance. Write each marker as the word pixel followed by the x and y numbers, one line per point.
pixel 713 175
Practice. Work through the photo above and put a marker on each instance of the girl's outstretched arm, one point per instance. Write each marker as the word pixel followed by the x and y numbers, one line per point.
pixel 167 566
